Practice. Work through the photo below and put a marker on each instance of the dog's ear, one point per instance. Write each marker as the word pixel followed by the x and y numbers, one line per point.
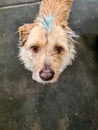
pixel 24 31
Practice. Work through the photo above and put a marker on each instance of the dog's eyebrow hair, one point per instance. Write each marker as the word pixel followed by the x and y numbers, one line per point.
pixel 47 22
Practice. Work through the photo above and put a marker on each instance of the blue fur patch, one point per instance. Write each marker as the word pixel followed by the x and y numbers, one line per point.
pixel 47 22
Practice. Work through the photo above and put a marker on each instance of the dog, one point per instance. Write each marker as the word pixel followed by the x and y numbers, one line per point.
pixel 46 45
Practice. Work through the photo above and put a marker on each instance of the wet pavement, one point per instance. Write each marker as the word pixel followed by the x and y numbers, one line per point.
pixel 69 104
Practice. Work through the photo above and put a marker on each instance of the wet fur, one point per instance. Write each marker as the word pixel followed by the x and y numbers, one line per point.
pixel 50 29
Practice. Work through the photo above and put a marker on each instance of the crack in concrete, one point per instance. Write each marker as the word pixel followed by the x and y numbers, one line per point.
pixel 18 5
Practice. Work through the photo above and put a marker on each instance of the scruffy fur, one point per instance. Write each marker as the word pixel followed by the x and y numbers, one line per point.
pixel 46 45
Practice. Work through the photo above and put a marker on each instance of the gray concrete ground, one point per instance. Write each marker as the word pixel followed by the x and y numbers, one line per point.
pixel 69 104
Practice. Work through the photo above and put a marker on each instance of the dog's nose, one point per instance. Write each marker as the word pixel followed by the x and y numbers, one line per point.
pixel 46 73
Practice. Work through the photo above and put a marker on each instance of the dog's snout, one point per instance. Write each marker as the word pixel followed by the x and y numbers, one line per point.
pixel 46 73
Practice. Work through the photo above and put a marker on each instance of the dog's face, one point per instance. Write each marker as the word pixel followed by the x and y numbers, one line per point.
pixel 45 54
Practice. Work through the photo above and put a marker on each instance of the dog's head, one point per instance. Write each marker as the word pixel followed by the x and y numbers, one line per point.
pixel 45 49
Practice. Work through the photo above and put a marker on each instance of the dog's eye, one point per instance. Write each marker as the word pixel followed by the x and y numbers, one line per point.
pixel 59 49
pixel 35 49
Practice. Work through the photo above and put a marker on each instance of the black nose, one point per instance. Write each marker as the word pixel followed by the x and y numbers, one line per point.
pixel 46 74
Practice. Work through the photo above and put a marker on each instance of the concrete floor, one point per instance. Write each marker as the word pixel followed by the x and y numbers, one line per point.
pixel 69 104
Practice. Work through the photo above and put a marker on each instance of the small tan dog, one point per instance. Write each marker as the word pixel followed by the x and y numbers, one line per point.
pixel 47 47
